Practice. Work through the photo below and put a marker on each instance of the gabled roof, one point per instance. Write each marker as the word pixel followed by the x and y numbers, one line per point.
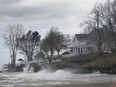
pixel 81 36
pixel 40 54
pixel 20 59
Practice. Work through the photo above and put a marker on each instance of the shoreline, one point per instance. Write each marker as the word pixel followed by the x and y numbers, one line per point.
pixel 112 84
pixel 69 85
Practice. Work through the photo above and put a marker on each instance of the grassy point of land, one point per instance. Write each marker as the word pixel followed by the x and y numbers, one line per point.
pixel 103 60
pixel 106 59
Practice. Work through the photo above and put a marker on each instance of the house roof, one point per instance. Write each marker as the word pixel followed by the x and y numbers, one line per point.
pixel 20 59
pixel 40 54
pixel 81 36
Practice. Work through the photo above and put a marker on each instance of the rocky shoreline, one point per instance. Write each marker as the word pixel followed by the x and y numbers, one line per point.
pixel 80 69
pixel 87 85
pixel 73 69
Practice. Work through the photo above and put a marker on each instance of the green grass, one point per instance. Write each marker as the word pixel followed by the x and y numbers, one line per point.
pixel 103 60
pixel 107 59
pixel 60 63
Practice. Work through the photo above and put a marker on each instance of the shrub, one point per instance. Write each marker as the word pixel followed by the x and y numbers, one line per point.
pixel 113 50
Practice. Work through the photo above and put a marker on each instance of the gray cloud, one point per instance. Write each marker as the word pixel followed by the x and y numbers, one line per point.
pixel 40 15
pixel 41 11
pixel 8 2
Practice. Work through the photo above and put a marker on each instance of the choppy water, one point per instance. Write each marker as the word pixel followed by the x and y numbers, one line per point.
pixel 45 78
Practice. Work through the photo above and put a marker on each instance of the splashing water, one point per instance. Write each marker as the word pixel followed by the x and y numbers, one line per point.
pixel 44 77
pixel 28 68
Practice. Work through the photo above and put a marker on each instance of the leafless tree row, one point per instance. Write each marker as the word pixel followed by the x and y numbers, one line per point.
pixel 15 39
pixel 101 24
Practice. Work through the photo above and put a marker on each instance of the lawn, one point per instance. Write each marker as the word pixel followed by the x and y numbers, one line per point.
pixel 106 59
pixel 103 60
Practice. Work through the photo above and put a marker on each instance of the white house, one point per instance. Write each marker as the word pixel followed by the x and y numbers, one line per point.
pixel 80 45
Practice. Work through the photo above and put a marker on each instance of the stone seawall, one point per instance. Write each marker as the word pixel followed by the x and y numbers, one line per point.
pixel 73 69
pixel 81 70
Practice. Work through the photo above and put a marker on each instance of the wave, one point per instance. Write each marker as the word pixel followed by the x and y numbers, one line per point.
pixel 45 77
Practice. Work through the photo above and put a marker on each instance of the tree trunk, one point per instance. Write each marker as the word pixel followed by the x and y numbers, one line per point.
pixel 115 41
pixel 28 66
pixel 50 59
pixel 13 62
pixel 29 59
pixel 99 48
pixel 58 53
pixel 13 65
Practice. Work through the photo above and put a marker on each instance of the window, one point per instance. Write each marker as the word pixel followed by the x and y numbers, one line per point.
pixel 79 50
pixel 72 50
pixel 76 50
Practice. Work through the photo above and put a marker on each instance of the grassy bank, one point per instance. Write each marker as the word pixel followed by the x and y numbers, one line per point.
pixel 106 59
pixel 103 60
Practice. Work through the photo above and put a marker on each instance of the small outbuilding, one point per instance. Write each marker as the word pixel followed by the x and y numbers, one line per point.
pixel 20 60
pixel 39 56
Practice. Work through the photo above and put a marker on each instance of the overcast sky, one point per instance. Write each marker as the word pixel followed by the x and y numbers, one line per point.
pixel 40 15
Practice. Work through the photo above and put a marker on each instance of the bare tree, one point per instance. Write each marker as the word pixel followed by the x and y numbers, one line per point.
pixel 62 42
pixel 28 42
pixel 54 41
pixel 10 37
pixel 51 42
pixel 44 47
pixel 103 15
pixel 94 24
pixel 109 18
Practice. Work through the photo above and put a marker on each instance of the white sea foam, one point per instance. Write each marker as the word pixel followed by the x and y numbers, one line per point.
pixel 59 75
pixel 44 77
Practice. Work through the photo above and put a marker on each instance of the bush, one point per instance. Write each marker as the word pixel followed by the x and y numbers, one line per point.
pixel 113 50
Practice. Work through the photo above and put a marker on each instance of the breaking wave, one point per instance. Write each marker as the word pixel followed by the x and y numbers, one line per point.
pixel 44 77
